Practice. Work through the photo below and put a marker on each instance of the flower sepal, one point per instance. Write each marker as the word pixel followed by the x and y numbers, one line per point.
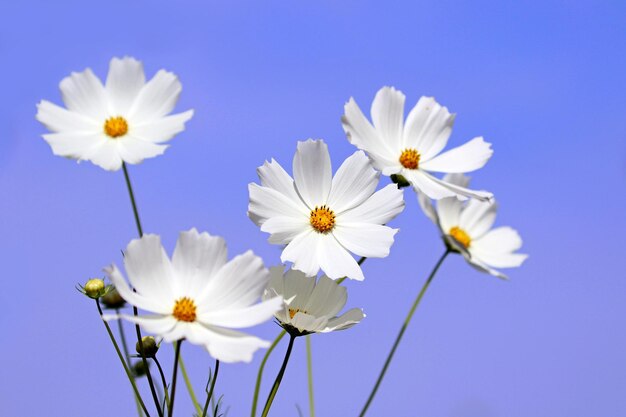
pixel 400 181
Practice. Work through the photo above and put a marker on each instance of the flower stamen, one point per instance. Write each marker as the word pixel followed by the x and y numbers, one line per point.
pixel 322 219
pixel 460 236
pixel 115 127
pixel 410 158
pixel 185 309
pixel 293 312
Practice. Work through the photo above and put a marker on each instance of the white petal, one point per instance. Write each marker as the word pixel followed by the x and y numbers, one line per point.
pixel 149 269
pixel 58 119
pixel 308 322
pixel 297 288
pixel 312 172
pixel 227 345
pixel 427 207
pixel 428 127
pixel 465 158
pixel 439 187
pixel 106 155
pixel 273 175
pixel 363 239
pixel 134 150
pixel 483 267
pixel 284 229
pixel 157 98
pixel 266 203
pixel 84 93
pixel 327 298
pixel 345 321
pixel 162 129
pixel 335 260
pixel 196 259
pixel 138 300
pixel 478 217
pixel 457 179
pixel 77 146
pixel 424 183
pixel 363 135
pixel 302 251
pixel 388 115
pixel 237 284
pixel 124 81
pixel 160 325
pixel 380 208
pixel 449 212
pixel 354 182
pixel 499 240
pixel 243 317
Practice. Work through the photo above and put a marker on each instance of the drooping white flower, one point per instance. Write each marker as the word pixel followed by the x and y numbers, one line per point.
pixel 413 148
pixel 125 120
pixel 466 228
pixel 310 307
pixel 198 295
pixel 322 219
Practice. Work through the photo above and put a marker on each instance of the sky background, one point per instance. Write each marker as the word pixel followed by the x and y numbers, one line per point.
pixel 543 81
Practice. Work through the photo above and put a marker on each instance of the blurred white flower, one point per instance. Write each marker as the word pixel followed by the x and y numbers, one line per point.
pixel 198 295
pixel 413 149
pixel 466 228
pixel 124 120
pixel 322 219
pixel 310 307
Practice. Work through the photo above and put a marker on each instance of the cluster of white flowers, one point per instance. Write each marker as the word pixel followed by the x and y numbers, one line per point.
pixel 322 220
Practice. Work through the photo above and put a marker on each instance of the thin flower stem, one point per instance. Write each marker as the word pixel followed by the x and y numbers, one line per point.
pixel 174 374
pixel 309 366
pixel 120 328
pixel 259 377
pixel 126 369
pixel 158 364
pixel 210 393
pixel 279 378
pixel 407 320
pixel 189 386
pixel 135 312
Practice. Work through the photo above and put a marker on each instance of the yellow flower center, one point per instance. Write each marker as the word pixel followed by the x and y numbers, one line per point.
pixel 410 158
pixel 460 236
pixel 322 219
pixel 184 310
pixel 293 312
pixel 115 127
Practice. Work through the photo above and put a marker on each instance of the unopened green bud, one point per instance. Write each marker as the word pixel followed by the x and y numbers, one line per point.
pixel 113 299
pixel 94 288
pixel 139 369
pixel 150 346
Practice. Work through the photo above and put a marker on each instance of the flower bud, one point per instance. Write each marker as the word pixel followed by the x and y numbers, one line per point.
pixel 113 299
pixel 94 288
pixel 150 346
pixel 139 369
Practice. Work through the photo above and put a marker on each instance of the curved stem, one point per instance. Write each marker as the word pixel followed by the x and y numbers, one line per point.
pixel 174 374
pixel 189 386
pixel 158 364
pixel 309 366
pixel 279 378
pixel 120 328
pixel 210 393
pixel 407 320
pixel 259 377
pixel 126 369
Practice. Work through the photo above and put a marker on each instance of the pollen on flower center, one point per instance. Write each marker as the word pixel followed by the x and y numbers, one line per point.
pixel 115 127
pixel 184 309
pixel 410 158
pixel 293 312
pixel 460 236
pixel 322 219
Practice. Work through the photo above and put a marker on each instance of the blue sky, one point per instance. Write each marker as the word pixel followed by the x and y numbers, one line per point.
pixel 544 82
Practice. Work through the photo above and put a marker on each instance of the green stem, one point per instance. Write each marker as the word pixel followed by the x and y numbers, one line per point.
pixel 189 386
pixel 259 377
pixel 120 328
pixel 174 374
pixel 309 366
pixel 135 311
pixel 126 369
pixel 158 364
pixel 279 378
pixel 210 393
pixel 407 320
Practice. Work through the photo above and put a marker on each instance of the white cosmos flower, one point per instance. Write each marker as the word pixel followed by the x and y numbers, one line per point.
pixel 322 219
pixel 413 148
pixel 466 228
pixel 124 120
pixel 198 295
pixel 310 307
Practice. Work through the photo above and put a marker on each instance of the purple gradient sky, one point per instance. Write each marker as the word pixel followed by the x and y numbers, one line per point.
pixel 545 82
